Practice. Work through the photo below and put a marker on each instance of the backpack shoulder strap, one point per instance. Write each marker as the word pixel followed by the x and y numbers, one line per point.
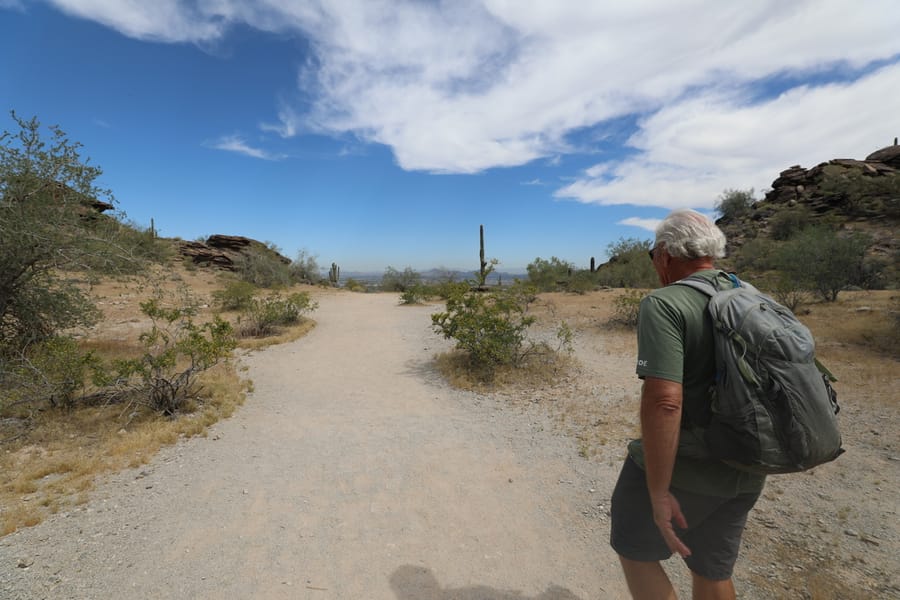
pixel 708 287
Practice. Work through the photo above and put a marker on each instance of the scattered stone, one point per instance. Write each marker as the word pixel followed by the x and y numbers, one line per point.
pixel 24 563
pixel 869 540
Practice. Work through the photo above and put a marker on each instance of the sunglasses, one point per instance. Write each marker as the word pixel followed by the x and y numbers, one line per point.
pixel 652 251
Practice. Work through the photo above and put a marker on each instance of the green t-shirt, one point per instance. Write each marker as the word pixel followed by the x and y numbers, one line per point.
pixel 675 342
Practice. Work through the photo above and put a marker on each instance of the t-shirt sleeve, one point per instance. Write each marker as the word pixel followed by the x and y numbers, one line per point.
pixel 660 340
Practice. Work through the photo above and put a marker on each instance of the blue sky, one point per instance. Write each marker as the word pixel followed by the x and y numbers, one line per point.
pixel 376 133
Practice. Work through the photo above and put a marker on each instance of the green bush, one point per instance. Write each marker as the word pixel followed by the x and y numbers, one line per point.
pixel 304 268
pixel 489 327
pixel 263 268
pixel 395 281
pixel 628 266
pixel 175 351
pixel 47 224
pixel 626 308
pixel 549 275
pixel 52 372
pixel 237 295
pixel 821 260
pixel 756 256
pixel 415 294
pixel 790 292
pixel 786 223
pixel 733 204
pixel 355 286
pixel 581 282
pixel 264 316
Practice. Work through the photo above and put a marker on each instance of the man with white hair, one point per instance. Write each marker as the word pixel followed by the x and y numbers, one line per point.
pixel 671 496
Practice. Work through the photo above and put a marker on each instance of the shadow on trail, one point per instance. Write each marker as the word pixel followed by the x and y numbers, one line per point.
pixel 418 583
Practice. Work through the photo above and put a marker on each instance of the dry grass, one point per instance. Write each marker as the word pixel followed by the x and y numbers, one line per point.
pixel 49 459
pixel 539 368
pixel 54 464
pixel 288 334
pixel 858 340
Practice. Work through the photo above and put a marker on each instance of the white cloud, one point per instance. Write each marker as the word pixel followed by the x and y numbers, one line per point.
pixel 471 85
pixel 162 20
pixel 648 224
pixel 235 143
pixel 692 150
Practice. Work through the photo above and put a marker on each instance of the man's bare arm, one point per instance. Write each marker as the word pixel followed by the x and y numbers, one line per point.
pixel 661 402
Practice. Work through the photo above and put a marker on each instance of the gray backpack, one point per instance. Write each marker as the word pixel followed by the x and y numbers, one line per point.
pixel 773 408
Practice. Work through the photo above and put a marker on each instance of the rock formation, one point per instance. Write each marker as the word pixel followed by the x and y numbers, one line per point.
pixel 851 195
pixel 221 251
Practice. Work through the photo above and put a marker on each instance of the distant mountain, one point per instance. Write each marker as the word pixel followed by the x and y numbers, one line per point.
pixel 436 274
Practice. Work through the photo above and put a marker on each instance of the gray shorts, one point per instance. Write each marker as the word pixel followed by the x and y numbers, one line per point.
pixel 714 528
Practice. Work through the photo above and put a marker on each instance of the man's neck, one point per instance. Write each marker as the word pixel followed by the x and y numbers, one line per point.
pixel 681 268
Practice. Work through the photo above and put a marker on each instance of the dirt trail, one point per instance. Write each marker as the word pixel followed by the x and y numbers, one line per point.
pixel 351 472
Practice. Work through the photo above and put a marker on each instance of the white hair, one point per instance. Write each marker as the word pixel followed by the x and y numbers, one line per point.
pixel 690 235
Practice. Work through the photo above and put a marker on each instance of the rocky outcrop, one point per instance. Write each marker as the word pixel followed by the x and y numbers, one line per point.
pixel 849 194
pixel 221 251
pixel 889 155
pixel 203 255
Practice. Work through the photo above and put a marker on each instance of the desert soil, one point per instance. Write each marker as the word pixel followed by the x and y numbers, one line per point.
pixel 354 471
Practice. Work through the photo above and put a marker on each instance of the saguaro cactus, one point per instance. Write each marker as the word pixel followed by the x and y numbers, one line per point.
pixel 592 265
pixel 334 274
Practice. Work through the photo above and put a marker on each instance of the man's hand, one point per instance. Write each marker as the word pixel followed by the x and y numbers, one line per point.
pixel 666 510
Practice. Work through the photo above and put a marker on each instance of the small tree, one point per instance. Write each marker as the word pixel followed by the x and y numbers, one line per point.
pixel 47 194
pixel 824 261
pixel 395 281
pixel 733 204
pixel 304 268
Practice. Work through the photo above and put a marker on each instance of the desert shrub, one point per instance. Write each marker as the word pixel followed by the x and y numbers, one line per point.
pixel 175 351
pixel 790 292
pixel 861 195
pixel 415 294
pixel 733 204
pixel 52 372
pixel 626 308
pixel 305 268
pixel 489 327
pixel 581 282
pixel 355 286
pixel 47 224
pixel 447 287
pixel 756 255
pixel 549 275
pixel 265 315
pixel 395 281
pixel 821 260
pixel 236 295
pixel 263 268
pixel 628 265
pixel 786 223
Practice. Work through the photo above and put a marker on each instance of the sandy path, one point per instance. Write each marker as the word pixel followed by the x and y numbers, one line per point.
pixel 352 472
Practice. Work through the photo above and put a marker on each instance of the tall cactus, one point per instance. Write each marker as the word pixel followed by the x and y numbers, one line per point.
pixel 334 274
pixel 592 265
pixel 482 271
